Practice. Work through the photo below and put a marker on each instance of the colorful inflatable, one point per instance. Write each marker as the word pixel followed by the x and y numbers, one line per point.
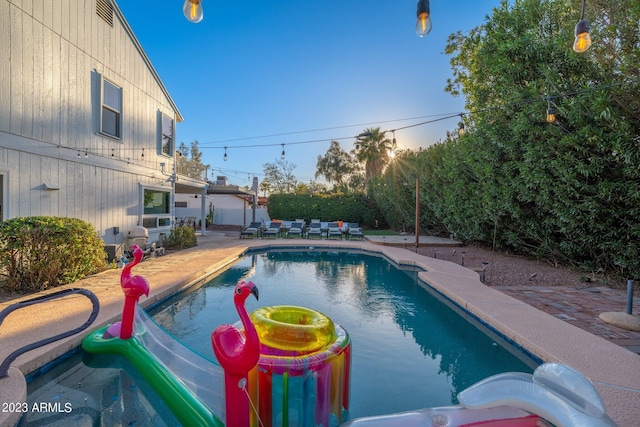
pixel 555 395
pixel 304 368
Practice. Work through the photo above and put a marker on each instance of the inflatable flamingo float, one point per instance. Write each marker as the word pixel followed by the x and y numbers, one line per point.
pixel 238 352
pixel 133 287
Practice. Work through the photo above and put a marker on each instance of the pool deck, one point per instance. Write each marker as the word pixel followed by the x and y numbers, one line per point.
pixel 614 370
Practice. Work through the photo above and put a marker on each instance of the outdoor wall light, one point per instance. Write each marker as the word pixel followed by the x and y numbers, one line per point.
pixel 583 40
pixel 192 10
pixel 423 26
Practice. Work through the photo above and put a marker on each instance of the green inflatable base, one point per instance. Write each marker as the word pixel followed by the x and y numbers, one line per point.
pixel 187 408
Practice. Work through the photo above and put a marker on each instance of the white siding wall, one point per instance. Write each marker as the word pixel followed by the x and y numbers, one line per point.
pixel 51 52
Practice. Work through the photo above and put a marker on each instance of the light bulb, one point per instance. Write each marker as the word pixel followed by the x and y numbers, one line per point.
pixel 551 117
pixel 192 10
pixel 423 26
pixel 583 39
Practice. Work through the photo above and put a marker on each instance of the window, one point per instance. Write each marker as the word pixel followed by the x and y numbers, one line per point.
pixel 156 202
pixel 157 208
pixel 167 144
pixel 111 113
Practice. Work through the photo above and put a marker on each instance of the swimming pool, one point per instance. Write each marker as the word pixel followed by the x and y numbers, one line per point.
pixel 409 349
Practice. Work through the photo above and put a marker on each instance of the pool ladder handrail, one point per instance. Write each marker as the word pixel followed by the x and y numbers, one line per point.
pixel 4 367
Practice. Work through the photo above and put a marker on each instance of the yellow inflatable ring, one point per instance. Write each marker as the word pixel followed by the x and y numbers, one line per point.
pixel 293 329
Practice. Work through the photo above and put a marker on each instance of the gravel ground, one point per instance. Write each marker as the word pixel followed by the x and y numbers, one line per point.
pixel 503 269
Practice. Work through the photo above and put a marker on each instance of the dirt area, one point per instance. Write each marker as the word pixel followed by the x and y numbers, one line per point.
pixel 503 269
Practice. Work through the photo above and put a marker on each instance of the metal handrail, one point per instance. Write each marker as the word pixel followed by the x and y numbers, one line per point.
pixel 4 367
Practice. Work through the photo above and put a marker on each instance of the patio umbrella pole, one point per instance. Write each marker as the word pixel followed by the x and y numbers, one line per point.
pixel 417 214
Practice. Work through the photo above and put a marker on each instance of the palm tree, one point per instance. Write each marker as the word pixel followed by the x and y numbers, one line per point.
pixel 373 149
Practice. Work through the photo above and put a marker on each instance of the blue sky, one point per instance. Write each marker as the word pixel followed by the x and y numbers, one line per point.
pixel 252 75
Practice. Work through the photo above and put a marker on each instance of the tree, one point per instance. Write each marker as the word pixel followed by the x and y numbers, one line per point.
pixel 338 167
pixel 280 177
pixel 189 161
pixel 565 190
pixel 373 150
pixel 265 187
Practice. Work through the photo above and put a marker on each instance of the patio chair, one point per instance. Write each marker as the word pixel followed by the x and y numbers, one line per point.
pixel 333 231
pixel 273 230
pixel 355 231
pixel 295 229
pixel 251 231
pixel 314 230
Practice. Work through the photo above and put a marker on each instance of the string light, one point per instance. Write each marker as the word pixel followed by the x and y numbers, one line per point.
pixel 423 26
pixel 282 154
pixel 225 154
pixel 583 40
pixel 551 116
pixel 440 117
pixel 192 10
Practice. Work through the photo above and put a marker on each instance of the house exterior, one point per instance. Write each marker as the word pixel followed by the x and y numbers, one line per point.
pixel 87 128
pixel 231 205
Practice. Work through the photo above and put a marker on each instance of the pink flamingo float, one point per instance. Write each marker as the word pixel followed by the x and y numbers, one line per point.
pixel 238 352
pixel 133 287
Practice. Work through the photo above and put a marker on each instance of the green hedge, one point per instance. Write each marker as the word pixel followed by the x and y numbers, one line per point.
pixel 41 252
pixel 343 207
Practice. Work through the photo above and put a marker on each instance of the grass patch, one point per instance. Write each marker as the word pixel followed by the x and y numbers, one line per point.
pixel 380 233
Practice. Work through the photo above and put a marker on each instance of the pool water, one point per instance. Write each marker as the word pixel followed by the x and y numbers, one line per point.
pixel 410 350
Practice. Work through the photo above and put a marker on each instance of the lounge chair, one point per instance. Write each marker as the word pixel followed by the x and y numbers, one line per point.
pixel 315 230
pixel 253 230
pixel 355 232
pixel 273 230
pixel 333 230
pixel 295 229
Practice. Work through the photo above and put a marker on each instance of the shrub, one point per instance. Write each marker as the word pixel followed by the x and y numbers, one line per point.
pixel 337 207
pixel 180 238
pixel 41 252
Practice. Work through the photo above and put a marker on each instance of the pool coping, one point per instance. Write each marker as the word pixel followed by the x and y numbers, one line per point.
pixel 613 370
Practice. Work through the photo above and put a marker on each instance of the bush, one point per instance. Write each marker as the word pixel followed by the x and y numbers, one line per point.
pixel 41 252
pixel 337 207
pixel 180 238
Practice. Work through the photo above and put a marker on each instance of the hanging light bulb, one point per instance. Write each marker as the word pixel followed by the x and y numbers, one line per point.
pixel 551 115
pixel 423 26
pixel 282 154
pixel 192 10
pixel 461 125
pixel 142 156
pixel 86 152
pixel 225 154
pixel 394 144
pixel 583 39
